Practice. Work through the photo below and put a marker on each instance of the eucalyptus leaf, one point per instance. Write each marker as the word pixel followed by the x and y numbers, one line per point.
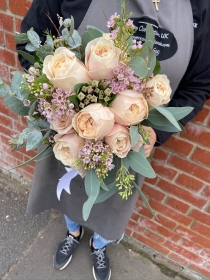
pixel 16 83
pixel 32 108
pixel 134 134
pixel 139 66
pixel 145 50
pixel 4 90
pixel 150 36
pixel 140 164
pixel 72 26
pixel 157 69
pixel 97 31
pixel 34 38
pixel 32 159
pixel 104 195
pixel 43 51
pixel 74 40
pixel 30 47
pixel 104 187
pixel 21 38
pixel 16 105
pixel 157 118
pixel 166 128
pixel 78 54
pixel 145 200
pixel 90 34
pixel 27 56
pixel 65 34
pixel 151 62
pixel 49 41
pixel 91 180
pixel 168 115
pixel 34 140
pixel 179 112
pixel 92 187
pixel 125 162
pixel 182 127
pixel 38 124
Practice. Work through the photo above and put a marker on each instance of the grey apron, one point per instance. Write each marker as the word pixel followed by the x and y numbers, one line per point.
pixel 110 218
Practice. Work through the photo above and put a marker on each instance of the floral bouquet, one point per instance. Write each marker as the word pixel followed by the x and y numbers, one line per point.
pixel 89 98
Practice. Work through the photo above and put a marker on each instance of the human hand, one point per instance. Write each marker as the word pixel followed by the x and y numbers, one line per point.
pixel 153 138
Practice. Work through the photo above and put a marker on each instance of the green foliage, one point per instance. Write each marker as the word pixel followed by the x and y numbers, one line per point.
pixel 4 89
pixel 91 33
pixel 167 128
pixel 32 159
pixel 167 115
pixel 179 113
pixel 157 69
pixel 92 187
pixel 49 41
pixel 74 99
pixel 140 164
pixel 43 51
pixel 150 36
pixel 151 62
pixel 30 47
pixel 34 140
pixel 32 108
pixel 21 38
pixel 104 195
pixel 34 38
pixel 139 66
pixel 27 56
pixel 134 134
pixel 144 199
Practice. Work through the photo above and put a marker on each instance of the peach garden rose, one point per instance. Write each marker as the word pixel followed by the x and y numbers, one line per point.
pixel 93 122
pixel 161 90
pixel 66 149
pixel 129 108
pixel 101 56
pixel 64 70
pixel 119 140
pixel 62 125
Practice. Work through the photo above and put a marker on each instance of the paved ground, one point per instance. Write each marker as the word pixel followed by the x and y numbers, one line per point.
pixel 27 244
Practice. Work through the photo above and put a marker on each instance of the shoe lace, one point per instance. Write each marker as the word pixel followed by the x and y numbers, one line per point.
pixel 68 243
pixel 100 257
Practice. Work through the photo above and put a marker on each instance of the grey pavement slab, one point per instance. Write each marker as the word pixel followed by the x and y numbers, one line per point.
pixel 27 244
pixel 17 228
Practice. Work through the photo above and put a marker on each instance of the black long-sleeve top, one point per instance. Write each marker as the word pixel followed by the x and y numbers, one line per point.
pixel 194 88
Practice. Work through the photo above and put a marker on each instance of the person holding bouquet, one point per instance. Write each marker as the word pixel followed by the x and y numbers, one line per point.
pixel 182 37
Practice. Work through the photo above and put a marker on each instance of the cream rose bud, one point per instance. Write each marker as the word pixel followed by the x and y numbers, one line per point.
pixel 129 108
pixel 93 122
pixel 101 56
pixel 161 90
pixel 62 125
pixel 119 140
pixel 64 70
pixel 66 149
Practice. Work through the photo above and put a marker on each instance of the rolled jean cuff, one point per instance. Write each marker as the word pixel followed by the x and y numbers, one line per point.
pixel 71 226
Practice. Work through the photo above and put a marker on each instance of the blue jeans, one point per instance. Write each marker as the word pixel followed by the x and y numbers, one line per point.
pixel 99 241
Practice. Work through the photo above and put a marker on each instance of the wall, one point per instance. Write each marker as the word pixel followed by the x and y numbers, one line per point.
pixel 180 193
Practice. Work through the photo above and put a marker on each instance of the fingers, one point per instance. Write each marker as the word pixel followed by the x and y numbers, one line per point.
pixel 153 138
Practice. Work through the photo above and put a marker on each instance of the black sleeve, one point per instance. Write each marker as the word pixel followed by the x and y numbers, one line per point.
pixel 37 18
pixel 194 89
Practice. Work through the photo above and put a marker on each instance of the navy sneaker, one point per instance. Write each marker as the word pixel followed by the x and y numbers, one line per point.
pixel 101 266
pixel 65 250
